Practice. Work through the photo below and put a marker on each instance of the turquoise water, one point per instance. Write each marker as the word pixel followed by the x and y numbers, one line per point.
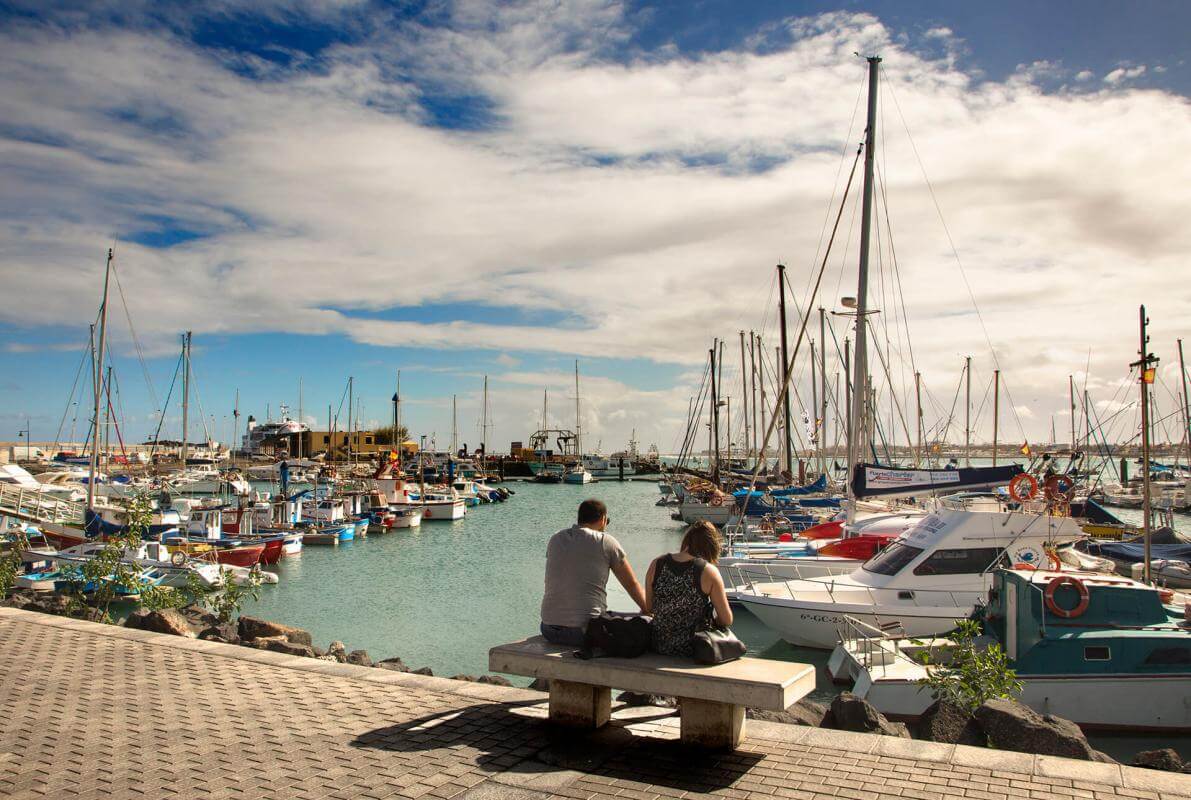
pixel 441 595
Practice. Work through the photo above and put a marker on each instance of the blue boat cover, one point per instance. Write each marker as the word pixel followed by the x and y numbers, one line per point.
pixel 1135 553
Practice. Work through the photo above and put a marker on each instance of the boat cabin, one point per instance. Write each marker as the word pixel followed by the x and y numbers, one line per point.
pixel 1061 623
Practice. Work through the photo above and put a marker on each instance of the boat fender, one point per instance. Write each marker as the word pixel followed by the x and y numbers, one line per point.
pixel 1067 613
pixel 1020 494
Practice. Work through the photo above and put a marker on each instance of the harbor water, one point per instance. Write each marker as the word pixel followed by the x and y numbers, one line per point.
pixel 439 596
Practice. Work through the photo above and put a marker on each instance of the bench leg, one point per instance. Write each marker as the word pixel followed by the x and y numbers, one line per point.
pixel 713 725
pixel 579 705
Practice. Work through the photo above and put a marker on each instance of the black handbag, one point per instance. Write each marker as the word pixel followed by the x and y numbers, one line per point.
pixel 716 646
pixel 617 636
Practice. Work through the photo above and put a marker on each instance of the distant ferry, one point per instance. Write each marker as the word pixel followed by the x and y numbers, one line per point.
pixel 257 435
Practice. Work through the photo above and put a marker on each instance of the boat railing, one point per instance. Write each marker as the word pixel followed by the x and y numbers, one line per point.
pixel 874 646
pixel 24 503
pixel 876 597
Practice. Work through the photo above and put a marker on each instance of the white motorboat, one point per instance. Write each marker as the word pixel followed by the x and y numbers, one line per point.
pixel 577 475
pixel 56 485
pixel 933 574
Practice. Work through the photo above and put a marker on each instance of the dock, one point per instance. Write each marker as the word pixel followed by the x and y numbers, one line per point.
pixel 100 711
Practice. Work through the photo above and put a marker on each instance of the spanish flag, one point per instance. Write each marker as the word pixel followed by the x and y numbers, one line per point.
pixel 1147 376
pixel 1025 448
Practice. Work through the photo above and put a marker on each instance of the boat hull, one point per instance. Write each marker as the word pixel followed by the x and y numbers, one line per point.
pixel 818 625
pixel 1123 702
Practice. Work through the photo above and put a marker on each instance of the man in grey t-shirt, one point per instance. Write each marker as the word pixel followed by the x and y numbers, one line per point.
pixel 578 560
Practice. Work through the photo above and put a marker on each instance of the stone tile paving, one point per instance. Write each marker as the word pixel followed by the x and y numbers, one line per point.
pixel 90 711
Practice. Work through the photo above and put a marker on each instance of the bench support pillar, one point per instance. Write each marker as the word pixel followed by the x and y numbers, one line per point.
pixel 712 725
pixel 579 705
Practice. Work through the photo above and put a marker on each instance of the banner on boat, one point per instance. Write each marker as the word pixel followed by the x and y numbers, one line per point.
pixel 872 480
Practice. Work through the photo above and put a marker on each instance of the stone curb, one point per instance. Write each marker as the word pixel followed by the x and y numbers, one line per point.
pixel 1133 778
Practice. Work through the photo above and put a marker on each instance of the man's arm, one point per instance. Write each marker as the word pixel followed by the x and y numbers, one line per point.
pixel 623 571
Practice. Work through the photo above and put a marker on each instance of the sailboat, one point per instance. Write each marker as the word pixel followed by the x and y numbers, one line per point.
pixel 941 567
pixel 577 474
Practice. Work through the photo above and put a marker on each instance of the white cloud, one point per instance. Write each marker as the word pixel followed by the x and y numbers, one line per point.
pixel 650 197
pixel 1084 75
pixel 1124 73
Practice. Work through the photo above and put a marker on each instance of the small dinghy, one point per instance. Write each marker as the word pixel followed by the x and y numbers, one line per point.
pixel 1165 572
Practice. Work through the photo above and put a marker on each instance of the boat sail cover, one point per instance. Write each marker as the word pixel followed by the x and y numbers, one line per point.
pixel 820 485
pixel 874 480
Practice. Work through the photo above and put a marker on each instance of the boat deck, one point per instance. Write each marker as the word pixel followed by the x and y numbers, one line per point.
pixel 104 712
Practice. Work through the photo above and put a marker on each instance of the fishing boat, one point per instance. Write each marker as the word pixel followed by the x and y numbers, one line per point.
pixel 442 505
pixel 1106 652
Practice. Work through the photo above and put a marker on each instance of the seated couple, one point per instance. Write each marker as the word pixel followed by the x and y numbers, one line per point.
pixel 681 589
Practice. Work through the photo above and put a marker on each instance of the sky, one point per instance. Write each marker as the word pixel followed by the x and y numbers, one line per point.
pixel 456 189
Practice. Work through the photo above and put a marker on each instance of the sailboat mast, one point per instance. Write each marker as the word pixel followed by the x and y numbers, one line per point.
pixel 744 385
pixel 299 416
pixel 823 390
pixel 814 402
pixel 764 397
pixel 185 396
pixel 1186 404
pixel 97 376
pixel 860 365
pixel 781 306
pixel 454 425
pixel 578 425
pixel 968 412
pixel 918 418
pixel 848 400
pixel 235 428
pixel 1071 398
pixel 753 387
pixel 996 411
pixel 350 429
pixel 715 417
pixel 484 414
pixel 1144 378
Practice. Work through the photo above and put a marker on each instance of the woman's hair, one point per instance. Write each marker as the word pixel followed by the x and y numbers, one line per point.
pixel 702 540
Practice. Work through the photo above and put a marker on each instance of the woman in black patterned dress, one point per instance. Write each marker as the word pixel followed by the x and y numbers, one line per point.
pixel 682 589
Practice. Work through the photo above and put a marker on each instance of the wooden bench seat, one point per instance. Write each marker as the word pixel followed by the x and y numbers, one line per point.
pixel 712 699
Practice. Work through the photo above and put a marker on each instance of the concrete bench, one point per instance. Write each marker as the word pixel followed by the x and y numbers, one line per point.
pixel 712 700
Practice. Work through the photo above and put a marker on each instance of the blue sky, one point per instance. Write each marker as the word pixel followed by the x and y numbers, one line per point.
pixel 322 189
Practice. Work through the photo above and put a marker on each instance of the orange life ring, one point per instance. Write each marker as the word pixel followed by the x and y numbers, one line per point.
pixel 1058 487
pixel 1059 611
pixel 1015 487
pixel 716 500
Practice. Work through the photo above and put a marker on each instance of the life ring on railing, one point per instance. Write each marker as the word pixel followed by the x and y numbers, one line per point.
pixel 716 500
pixel 1067 580
pixel 1058 487
pixel 1016 491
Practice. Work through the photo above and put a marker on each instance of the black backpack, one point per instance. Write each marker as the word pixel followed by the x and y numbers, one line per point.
pixel 617 636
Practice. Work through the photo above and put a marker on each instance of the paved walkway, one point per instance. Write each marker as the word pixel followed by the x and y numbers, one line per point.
pixel 93 711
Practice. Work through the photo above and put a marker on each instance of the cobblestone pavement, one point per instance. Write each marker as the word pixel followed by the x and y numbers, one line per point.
pixel 100 712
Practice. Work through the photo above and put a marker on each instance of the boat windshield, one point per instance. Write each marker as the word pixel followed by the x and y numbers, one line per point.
pixel 892 559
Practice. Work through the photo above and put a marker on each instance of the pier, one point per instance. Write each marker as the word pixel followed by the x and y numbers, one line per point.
pixel 101 711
